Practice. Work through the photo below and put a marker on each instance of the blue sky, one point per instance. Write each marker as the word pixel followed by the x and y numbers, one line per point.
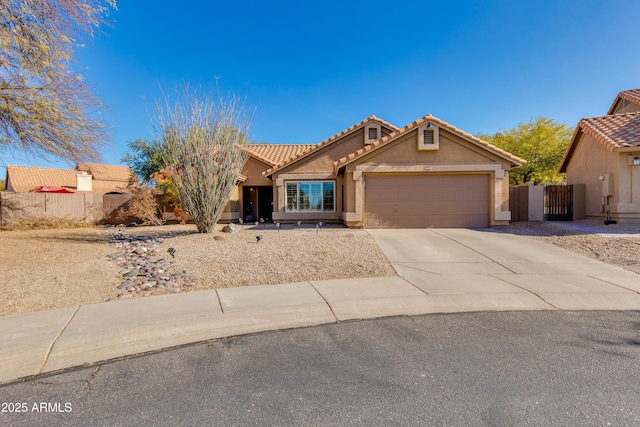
pixel 312 69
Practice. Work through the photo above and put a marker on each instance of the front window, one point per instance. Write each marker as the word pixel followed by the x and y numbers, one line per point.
pixel 310 196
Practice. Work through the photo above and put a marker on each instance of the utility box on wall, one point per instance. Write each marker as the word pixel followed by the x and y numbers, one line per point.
pixel 607 184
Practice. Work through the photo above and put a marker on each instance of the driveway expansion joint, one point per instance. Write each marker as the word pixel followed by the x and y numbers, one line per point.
pixel 474 250
pixel 615 284
pixel 409 282
pixel 527 290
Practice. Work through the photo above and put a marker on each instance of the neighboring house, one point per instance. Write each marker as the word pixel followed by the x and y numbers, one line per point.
pixel 604 155
pixel 91 178
pixel 375 175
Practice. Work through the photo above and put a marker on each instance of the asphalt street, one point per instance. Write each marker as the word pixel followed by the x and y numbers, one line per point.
pixel 506 368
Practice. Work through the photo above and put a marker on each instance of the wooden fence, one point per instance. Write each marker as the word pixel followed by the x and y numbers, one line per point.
pixel 15 207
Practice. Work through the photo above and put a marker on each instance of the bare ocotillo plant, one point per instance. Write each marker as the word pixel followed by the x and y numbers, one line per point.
pixel 203 137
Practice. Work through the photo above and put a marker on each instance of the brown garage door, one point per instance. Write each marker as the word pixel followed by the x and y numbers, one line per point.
pixel 426 201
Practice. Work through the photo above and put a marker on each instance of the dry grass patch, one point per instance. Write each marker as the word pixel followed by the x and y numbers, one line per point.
pixel 45 224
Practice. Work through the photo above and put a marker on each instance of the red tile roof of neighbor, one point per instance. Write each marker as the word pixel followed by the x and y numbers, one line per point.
pixel 631 95
pixel 617 131
pixel 106 172
pixel 105 178
pixel 327 141
pixel 614 132
pixel 516 161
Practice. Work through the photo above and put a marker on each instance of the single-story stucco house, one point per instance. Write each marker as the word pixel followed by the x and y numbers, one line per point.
pixel 88 178
pixel 375 175
pixel 604 155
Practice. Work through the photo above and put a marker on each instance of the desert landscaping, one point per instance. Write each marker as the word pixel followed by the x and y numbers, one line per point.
pixel 56 268
pixel 47 269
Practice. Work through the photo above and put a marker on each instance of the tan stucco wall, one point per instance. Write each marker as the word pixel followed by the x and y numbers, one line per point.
pixel 453 150
pixel 349 192
pixel 454 155
pixel 232 210
pixel 627 204
pixel 322 161
pixel 253 171
pixel 319 166
pixel 589 160
pixel 631 108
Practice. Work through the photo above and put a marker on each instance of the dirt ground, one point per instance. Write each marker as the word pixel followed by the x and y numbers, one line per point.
pixel 619 251
pixel 47 269
pixel 44 269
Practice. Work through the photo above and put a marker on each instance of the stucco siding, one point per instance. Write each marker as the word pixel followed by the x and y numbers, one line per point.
pixel 253 171
pixel 631 108
pixel 349 192
pixel 591 159
pixel 452 150
pixel 454 156
pixel 322 160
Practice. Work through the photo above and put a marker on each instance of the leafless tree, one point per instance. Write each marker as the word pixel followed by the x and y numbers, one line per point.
pixel 45 107
pixel 142 205
pixel 203 135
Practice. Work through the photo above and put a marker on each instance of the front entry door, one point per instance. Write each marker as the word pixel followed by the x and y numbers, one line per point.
pixel 265 203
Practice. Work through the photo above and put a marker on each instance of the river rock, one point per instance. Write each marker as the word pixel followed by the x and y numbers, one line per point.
pixel 132 273
pixel 230 228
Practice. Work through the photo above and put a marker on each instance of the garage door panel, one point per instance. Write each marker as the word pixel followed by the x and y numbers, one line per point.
pixel 479 207
pixel 373 222
pixel 427 201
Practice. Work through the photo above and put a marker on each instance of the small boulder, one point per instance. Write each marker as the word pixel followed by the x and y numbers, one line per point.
pixel 230 228
pixel 218 238
pixel 132 273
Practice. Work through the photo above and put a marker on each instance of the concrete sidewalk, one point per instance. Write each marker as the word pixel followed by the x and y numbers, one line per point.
pixel 440 271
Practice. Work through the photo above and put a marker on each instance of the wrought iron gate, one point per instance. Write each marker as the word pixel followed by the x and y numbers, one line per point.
pixel 558 202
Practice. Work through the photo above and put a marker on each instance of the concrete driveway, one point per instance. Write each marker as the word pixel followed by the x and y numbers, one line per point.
pixel 491 268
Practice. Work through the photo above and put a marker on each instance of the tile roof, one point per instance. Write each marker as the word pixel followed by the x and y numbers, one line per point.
pixel 274 154
pixel 328 141
pixel 106 172
pixel 517 161
pixel 105 178
pixel 28 178
pixel 617 131
pixel 631 95
pixel 614 132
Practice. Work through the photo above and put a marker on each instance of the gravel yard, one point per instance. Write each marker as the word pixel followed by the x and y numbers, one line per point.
pixel 46 269
pixel 620 251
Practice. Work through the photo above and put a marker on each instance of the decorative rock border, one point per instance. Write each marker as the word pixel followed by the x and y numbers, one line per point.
pixel 145 269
